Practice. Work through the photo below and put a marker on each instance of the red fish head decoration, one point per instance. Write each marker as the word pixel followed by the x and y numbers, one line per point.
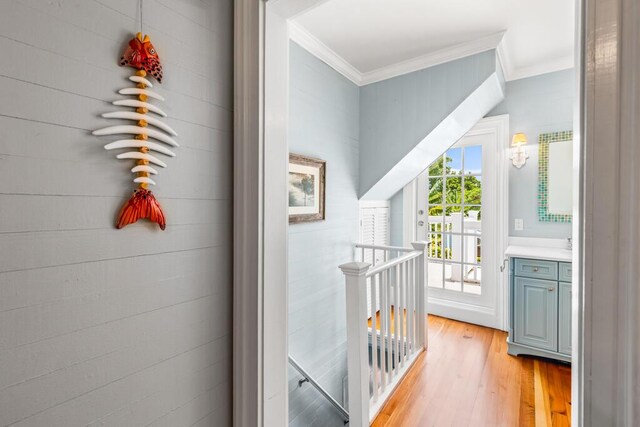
pixel 141 54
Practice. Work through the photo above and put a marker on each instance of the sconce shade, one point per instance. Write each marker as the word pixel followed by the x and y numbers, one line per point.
pixel 518 140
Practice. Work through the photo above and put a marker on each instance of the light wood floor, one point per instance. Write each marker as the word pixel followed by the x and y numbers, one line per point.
pixel 466 378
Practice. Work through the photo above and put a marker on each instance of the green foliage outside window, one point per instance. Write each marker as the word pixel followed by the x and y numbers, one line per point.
pixel 445 188
pixel 453 191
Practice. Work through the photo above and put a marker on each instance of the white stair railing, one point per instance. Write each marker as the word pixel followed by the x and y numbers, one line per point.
pixel 375 254
pixel 379 355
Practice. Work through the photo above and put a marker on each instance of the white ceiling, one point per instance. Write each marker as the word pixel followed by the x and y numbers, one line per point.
pixel 373 35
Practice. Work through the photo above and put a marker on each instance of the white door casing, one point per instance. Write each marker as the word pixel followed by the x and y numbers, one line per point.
pixel 490 307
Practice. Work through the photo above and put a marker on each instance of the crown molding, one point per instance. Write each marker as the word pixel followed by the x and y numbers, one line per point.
pixel 505 59
pixel 320 50
pixel 512 73
pixel 438 57
pixel 542 68
pixel 496 41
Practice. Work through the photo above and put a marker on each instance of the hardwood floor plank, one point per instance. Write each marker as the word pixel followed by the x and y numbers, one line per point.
pixel 466 378
pixel 542 409
pixel 527 400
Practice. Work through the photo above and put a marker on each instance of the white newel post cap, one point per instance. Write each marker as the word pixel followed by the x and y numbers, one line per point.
pixel 420 246
pixel 355 268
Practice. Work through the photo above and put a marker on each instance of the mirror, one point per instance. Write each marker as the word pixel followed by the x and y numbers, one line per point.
pixel 555 181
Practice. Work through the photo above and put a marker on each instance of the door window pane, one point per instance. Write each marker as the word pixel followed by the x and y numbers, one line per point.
pixel 453 190
pixel 473 159
pixel 452 277
pixel 437 168
pixel 452 247
pixel 472 190
pixel 471 250
pixel 453 161
pixel 436 194
pixel 434 278
pixel 435 219
pixel 435 245
pixel 453 219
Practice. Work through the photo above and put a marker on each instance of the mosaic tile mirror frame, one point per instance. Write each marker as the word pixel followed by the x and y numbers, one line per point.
pixel 543 176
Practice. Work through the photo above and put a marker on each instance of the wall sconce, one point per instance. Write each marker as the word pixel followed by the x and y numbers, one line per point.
pixel 519 154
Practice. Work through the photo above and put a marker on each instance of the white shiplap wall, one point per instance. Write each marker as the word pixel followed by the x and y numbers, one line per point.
pixel 101 326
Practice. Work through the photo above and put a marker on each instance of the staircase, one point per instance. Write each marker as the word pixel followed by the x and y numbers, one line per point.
pixel 386 324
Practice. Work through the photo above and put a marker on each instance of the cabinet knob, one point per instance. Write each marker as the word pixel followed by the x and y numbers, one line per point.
pixel 535 269
pixel 550 289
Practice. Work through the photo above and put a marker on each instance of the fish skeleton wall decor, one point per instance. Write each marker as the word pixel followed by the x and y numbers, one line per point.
pixel 141 55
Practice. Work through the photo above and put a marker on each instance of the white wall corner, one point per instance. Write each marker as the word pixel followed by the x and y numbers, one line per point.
pixel 504 59
pixel 321 51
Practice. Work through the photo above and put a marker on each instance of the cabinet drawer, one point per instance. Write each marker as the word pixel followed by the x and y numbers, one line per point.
pixel 565 272
pixel 536 269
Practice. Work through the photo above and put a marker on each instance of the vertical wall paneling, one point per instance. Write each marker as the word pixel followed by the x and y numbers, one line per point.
pixel 100 326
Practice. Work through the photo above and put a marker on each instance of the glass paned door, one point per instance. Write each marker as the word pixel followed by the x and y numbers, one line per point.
pixel 458 209
pixel 454 225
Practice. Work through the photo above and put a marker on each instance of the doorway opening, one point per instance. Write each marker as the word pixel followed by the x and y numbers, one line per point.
pixel 476 271
pixel 462 210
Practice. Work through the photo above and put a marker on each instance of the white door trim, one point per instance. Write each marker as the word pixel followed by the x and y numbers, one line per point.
pixel 409 211
pixel 261 153
pixel 606 280
pixel 497 318
pixel 248 247
pixel 500 124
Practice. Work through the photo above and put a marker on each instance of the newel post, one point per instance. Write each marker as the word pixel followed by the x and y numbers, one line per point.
pixel 357 342
pixel 421 282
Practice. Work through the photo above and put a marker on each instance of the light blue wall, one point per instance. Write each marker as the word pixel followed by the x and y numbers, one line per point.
pixel 397 113
pixel 396 213
pixel 324 113
pixel 535 105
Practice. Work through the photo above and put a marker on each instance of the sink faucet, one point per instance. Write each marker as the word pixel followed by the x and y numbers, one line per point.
pixel 570 243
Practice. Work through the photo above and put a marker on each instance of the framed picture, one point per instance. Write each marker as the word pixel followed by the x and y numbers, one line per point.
pixel 306 189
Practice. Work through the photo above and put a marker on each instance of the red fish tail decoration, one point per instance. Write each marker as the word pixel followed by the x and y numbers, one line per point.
pixel 142 204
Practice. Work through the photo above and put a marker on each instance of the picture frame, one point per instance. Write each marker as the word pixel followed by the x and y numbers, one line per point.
pixel 306 188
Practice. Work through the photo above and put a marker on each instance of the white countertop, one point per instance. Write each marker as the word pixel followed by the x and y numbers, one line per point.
pixel 538 252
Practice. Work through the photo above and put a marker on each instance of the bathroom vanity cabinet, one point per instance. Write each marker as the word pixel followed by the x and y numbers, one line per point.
pixel 540 307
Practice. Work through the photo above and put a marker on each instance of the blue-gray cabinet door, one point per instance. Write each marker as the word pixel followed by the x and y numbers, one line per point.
pixel 564 318
pixel 536 313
